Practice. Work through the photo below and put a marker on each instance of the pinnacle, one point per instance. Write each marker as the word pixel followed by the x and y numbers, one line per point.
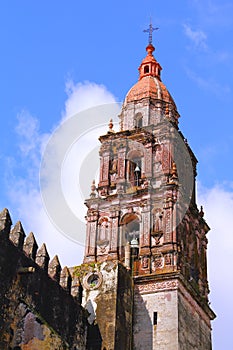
pixel 17 235
pixel 43 251
pixel 18 228
pixel 65 271
pixel 55 261
pixel 54 268
pixel 5 221
pixel 30 246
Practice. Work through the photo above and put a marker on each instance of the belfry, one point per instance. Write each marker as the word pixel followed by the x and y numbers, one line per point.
pixel 145 270
pixel 143 282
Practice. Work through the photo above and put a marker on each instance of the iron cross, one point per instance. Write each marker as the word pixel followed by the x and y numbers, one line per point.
pixel 150 31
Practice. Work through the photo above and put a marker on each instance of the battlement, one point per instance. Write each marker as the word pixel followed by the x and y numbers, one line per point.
pixel 38 303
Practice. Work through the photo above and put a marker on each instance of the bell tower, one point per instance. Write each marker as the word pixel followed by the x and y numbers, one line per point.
pixel 145 270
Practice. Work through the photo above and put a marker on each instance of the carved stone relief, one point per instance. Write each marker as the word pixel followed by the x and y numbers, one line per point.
pixel 168 259
pixel 158 159
pixel 103 236
pixel 121 165
pixel 145 262
pixel 156 286
pixel 166 159
pixel 157 226
pixel 168 226
pixel 113 170
pixel 157 262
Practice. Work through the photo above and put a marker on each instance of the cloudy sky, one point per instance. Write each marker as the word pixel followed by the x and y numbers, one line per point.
pixel 59 58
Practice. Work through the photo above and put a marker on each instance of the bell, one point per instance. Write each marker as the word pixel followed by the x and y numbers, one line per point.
pixel 134 243
pixel 137 169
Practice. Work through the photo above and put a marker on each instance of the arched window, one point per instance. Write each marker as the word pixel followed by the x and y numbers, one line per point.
pixel 135 172
pixel 131 227
pixel 146 69
pixel 131 235
pixel 134 168
pixel 138 120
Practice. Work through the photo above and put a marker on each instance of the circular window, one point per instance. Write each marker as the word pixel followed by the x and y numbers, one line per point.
pixel 93 280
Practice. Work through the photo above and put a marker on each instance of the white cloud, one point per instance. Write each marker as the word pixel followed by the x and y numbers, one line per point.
pixel 27 129
pixel 22 174
pixel 218 206
pixel 197 37
pixel 85 95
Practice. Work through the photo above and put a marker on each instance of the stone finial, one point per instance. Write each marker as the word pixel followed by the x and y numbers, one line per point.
pixel 110 125
pixel 174 171
pixel 174 176
pixel 93 190
pixel 5 223
pixel 30 246
pixel 65 279
pixel 54 270
pixel 202 211
pixel 42 257
pixel 17 235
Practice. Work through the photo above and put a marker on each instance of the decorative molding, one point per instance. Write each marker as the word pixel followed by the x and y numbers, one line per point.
pixel 151 287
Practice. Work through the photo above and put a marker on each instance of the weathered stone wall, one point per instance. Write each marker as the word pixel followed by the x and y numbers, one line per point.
pixel 99 299
pixel 180 323
pixel 164 334
pixel 194 330
pixel 35 311
pixel 109 303
pixel 124 310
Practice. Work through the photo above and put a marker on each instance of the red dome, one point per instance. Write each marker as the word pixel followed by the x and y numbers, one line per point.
pixel 149 84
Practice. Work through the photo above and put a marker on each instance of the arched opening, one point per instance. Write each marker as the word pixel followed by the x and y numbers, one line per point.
pixel 138 120
pixel 135 172
pixel 130 230
pixel 146 69
pixel 134 169
pixel 130 224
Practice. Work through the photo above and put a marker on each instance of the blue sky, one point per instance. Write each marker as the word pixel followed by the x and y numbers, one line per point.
pixel 60 57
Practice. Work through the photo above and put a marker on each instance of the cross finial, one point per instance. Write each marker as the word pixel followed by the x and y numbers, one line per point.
pixel 150 31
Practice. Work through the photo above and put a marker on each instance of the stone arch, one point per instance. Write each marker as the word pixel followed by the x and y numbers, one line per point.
pixel 130 223
pixel 135 154
pixel 138 120
pixel 128 217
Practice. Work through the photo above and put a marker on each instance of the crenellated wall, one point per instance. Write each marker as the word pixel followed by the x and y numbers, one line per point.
pixel 37 310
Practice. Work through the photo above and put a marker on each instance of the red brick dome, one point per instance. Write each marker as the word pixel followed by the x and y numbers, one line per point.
pixel 149 86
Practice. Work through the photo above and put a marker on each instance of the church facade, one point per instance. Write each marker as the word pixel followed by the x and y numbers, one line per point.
pixel 143 282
